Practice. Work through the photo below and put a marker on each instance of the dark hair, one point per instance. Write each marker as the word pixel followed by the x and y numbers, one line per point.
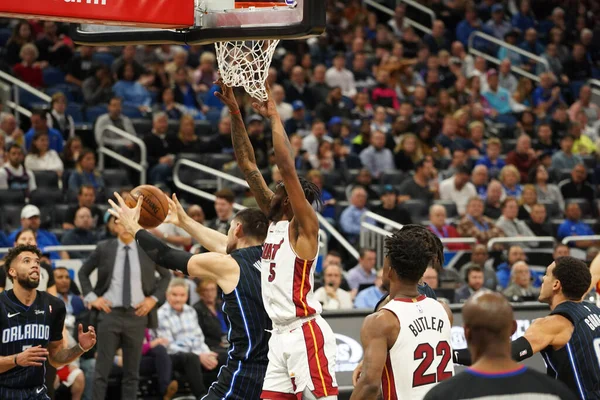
pixel 559 245
pixel 118 98
pixel 225 194
pixel 60 269
pixel 363 250
pixel 333 253
pixel 254 223
pixel 574 276
pixel 508 200
pixel 472 268
pixel 33 149
pixel 86 186
pixel 22 232
pixel 40 113
pixel 84 153
pixel 15 252
pixel 16 37
pixel 410 251
pixel 312 193
pixel 13 145
pixel 68 154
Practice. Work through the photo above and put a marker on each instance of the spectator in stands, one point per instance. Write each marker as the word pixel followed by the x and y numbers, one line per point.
pixel 443 230
pixel 21 35
pixel 283 108
pixel 115 118
pixel 97 88
pixel 86 174
pixel 179 61
pixel 369 297
pixel 561 250
pixel 255 126
pixel 310 143
pixel 328 210
pixel 377 158
pixel 546 191
pixel 578 68
pixel 474 283
pixel 515 254
pixel 510 179
pixel 384 95
pixel 555 65
pixel 210 316
pixel 479 179
pixel 178 323
pixel 458 189
pixel 407 152
pixel 81 66
pixel 492 159
pixel 528 200
pixel 582 144
pixel 58 119
pixel 364 272
pixel 524 18
pixel 161 149
pixel 166 103
pixel 480 258
pixel 380 120
pixel 475 145
pixel 351 217
pixel 156 360
pixel 339 76
pixel 196 213
pixel 531 45
pixel 560 121
pixel 524 93
pixel 11 132
pixel 29 70
pixel 437 40
pixel 55 48
pixel 510 224
pixel 332 107
pixel 73 302
pixel 40 124
pixel 475 224
pixel 470 24
pixel 298 123
pixel 574 226
pixel 576 186
pixel 30 219
pixel 389 208
pixel 493 199
pixel 520 288
pixel 13 174
pixel 205 74
pixel 546 143
pixel 183 91
pixel 86 197
pixel 431 278
pixel 497 26
pixel 547 96
pixel 523 157
pixel 584 103
pixel 330 295
pixel 82 234
pixel 132 92
pixel 127 57
pixel 418 188
pixel 41 157
pixel 537 223
pixel 224 211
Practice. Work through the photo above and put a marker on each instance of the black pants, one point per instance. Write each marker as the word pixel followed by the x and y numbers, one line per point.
pixel 188 365
pixel 158 360
pixel 34 393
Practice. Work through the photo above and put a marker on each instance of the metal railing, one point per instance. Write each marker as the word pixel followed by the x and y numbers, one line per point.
pixel 222 176
pixel 510 47
pixel 47 249
pixel 571 239
pixel 390 12
pixel 595 85
pixel 421 8
pixel 19 84
pixel 141 167
pixel 520 239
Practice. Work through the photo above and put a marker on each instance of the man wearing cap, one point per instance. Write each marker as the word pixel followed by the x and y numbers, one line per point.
pixel 30 219
pixel 298 124
pixel 389 208
pixel 497 26
pixel 458 189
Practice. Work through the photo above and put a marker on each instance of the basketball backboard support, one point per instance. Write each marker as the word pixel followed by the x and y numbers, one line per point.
pixel 283 19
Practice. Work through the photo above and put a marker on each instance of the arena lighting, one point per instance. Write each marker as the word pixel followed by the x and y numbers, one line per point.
pixel 139 13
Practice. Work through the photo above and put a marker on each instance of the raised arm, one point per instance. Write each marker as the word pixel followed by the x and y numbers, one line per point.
pixel 244 153
pixel 595 270
pixel 304 215
pixel 210 239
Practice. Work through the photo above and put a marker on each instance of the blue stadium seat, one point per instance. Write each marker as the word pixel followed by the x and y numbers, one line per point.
pixel 5 34
pixel 103 58
pixel 53 76
pixel 26 99
pixel 76 112
pixel 116 177
pixel 131 112
pixel 70 91
pixel 92 113
pixel 213 116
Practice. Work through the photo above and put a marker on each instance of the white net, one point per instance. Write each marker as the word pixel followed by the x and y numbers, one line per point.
pixel 246 63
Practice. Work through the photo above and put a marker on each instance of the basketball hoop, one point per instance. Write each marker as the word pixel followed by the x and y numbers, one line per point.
pixel 246 64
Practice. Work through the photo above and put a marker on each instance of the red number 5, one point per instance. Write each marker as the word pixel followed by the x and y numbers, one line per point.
pixel 272 272
pixel 424 352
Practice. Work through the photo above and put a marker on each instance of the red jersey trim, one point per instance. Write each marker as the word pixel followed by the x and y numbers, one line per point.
pixel 301 287
pixel 388 385
pixel 411 300
pixel 318 364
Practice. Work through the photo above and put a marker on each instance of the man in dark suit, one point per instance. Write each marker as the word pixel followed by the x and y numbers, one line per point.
pixel 161 149
pixel 473 285
pixel 124 300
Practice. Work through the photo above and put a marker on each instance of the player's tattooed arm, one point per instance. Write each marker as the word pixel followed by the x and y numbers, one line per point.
pixel 59 356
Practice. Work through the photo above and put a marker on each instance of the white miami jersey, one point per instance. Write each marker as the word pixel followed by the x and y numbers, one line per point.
pixel 421 356
pixel 287 280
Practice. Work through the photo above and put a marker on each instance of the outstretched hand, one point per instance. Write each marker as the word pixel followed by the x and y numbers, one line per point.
pixel 177 214
pixel 226 95
pixel 127 217
pixel 267 109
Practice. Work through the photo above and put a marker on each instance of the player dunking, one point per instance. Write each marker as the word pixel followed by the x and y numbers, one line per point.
pixel 234 263
pixel 31 324
pixel 407 342
pixel 569 338
pixel 302 348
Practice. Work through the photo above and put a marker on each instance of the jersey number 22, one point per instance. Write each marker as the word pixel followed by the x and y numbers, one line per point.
pixel 425 352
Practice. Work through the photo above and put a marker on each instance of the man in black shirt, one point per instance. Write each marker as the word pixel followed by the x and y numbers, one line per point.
pixel 32 323
pixel 161 149
pixel 576 186
pixel 489 324
pixel 537 223
pixel 81 67
pixel 417 188
pixel 389 208
pixel 86 197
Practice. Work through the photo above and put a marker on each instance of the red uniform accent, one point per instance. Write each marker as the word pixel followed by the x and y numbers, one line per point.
pixel 388 386
pixel 302 286
pixel 317 361
pixel 266 394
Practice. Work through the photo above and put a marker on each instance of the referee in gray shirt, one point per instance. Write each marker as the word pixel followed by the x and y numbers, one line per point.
pixel 123 302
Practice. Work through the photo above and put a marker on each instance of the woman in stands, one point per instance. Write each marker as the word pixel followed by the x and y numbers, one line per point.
pixel 85 173
pixel 188 141
pixel 41 157
pixel 511 181
pixel 71 152
pixel 21 35
pixel 57 117
pixel 545 191
pixel 524 92
pixel 131 91
pixel 528 200
pixel 210 316
pixel 29 70
pixel 407 152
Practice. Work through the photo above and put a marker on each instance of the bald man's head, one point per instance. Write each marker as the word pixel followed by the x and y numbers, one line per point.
pixel 488 321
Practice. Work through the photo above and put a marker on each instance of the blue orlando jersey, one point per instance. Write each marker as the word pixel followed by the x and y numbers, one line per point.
pixel 578 363
pixel 23 327
pixel 246 315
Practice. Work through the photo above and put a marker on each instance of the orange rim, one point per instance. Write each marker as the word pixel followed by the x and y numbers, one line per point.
pixel 258 4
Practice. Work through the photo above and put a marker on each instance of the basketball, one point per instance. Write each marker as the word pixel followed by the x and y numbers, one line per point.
pixel 154 208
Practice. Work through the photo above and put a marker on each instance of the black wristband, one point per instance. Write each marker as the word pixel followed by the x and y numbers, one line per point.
pixel 15 360
pixel 462 357
pixel 521 349
pixel 161 253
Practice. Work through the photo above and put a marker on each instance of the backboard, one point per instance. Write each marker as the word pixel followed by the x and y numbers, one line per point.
pixel 215 21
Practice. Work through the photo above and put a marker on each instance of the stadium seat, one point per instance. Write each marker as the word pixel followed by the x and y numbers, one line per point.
pixel 59 232
pixel 92 113
pixel 584 205
pixel 46 196
pixel 217 160
pixel 552 209
pixel 331 179
pixel 131 111
pixel 53 76
pixel 450 206
pixel 443 163
pixel 11 216
pixel 393 177
pixel 5 34
pixel 26 99
pixel 213 116
pixel 103 58
pixel 10 196
pixel 173 128
pixel 203 128
pixel 76 112
pixel 116 177
pixel 46 179
pixel 142 126
pixel 416 208
pixel 59 214
pixel 47 217
pixel 589 161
